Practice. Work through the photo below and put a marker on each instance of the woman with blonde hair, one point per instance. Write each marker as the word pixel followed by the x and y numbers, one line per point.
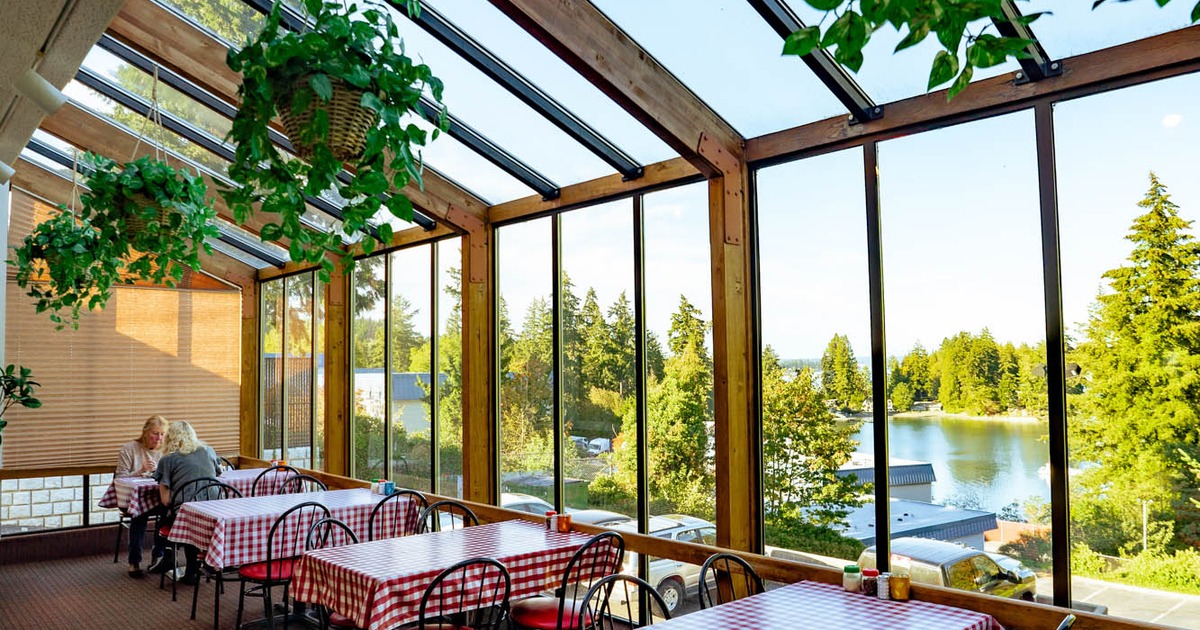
pixel 186 459
pixel 139 458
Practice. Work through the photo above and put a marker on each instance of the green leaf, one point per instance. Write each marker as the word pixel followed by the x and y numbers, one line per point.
pixel 964 78
pixel 1196 13
pixel 945 66
pixel 802 41
pixel 838 31
pixel 400 206
pixel 917 32
pixel 385 233
pixel 321 86
pixel 371 101
pixel 824 5
pixel 270 232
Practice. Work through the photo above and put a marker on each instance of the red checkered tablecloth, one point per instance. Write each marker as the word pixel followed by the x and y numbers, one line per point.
pixel 234 532
pixel 379 584
pixel 815 606
pixel 140 494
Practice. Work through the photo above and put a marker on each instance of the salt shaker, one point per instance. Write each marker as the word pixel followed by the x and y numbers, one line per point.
pixel 883 592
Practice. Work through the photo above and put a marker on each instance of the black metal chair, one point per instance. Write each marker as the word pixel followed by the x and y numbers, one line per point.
pixel 725 577
pixel 190 491
pixel 285 543
pixel 471 594
pixel 326 533
pixel 302 483
pixel 225 464
pixel 262 484
pixel 600 557
pixel 394 524
pixel 214 491
pixel 602 609
pixel 1067 622
pixel 446 514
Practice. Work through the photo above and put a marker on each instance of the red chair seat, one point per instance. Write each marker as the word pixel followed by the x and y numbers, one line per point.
pixel 281 570
pixel 164 531
pixel 541 613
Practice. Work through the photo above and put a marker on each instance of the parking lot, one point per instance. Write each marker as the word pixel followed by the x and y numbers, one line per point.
pixel 1133 602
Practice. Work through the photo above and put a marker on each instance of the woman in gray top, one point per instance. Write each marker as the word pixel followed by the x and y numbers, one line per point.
pixel 186 459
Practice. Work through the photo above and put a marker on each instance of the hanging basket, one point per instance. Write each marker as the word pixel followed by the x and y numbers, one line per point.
pixel 136 222
pixel 349 121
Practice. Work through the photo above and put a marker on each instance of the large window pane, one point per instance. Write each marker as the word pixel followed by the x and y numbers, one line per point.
pixel 409 322
pixel 599 365
pixel 299 369
pixel 318 462
pixel 526 379
pixel 679 378
pixel 449 359
pixel 369 299
pixel 272 369
pixel 816 335
pixel 1128 199
pixel 965 336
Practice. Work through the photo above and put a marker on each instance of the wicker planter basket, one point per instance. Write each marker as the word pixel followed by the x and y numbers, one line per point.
pixel 135 223
pixel 349 121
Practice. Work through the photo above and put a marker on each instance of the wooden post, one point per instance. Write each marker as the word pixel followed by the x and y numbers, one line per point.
pixel 480 433
pixel 250 374
pixel 338 397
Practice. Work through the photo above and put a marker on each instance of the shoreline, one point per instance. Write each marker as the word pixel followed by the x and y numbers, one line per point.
pixel 941 415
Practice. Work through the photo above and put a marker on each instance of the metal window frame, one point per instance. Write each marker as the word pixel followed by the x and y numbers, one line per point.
pixel 1037 65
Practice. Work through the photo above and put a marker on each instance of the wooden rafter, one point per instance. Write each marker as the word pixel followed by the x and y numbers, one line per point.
pixel 599 50
pixel 162 35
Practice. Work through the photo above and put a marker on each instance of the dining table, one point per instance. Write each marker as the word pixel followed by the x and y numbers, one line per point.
pixel 135 495
pixel 234 532
pixel 819 606
pixel 379 584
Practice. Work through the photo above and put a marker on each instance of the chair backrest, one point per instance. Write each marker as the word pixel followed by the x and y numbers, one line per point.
pixel 225 464
pixel 598 558
pixel 385 523
pixel 616 602
pixel 289 533
pixel 190 491
pixel 1067 622
pixel 725 577
pixel 265 483
pixel 302 483
pixel 445 515
pixel 329 532
pixel 473 593
pixel 217 489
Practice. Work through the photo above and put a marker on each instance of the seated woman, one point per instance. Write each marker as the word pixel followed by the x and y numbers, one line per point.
pixel 186 459
pixel 139 458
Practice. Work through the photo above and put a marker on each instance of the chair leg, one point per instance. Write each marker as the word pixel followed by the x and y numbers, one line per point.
pixel 174 569
pixel 195 596
pixel 241 603
pixel 117 551
pixel 267 608
pixel 286 616
pixel 218 590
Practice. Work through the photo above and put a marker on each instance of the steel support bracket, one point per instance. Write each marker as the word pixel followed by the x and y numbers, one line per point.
pixel 1049 69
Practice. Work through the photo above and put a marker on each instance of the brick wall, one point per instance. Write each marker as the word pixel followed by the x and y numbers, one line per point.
pixel 42 503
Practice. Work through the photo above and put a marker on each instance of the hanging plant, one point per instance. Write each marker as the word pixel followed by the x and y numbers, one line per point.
pixel 142 220
pixel 343 91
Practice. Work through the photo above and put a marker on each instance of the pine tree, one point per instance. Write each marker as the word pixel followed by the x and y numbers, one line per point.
pixel 841 380
pixel 1140 408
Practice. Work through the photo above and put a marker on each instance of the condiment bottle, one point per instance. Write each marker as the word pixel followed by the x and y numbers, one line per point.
pixel 851 578
pixel 870 582
pixel 899 586
pixel 563 522
pixel 884 586
pixel 550 524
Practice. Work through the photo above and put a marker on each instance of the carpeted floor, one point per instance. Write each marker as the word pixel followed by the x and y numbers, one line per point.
pixel 93 592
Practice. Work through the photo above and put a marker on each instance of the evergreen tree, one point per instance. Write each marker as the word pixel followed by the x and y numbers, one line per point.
pixel 841 380
pixel 803 447
pixel 1140 405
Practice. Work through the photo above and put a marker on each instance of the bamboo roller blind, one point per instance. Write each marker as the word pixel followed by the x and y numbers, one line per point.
pixel 150 351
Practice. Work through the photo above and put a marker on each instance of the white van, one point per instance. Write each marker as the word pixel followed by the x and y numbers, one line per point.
pixel 599 445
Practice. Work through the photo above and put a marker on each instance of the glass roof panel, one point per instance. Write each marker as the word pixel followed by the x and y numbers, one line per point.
pixel 501 117
pixel 232 22
pixel 1074 28
pixel 889 76
pixel 519 49
pixel 748 82
pixel 237 254
pixel 462 164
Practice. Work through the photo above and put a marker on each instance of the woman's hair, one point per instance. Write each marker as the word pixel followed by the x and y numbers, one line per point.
pixel 181 437
pixel 152 423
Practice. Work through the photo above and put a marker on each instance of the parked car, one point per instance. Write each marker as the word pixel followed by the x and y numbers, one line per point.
pixel 947 564
pixel 599 445
pixel 524 503
pixel 603 518
pixel 673 579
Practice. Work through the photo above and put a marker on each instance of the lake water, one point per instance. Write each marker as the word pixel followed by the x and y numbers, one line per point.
pixel 983 464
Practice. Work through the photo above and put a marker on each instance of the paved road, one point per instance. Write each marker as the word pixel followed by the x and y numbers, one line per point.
pixel 1134 602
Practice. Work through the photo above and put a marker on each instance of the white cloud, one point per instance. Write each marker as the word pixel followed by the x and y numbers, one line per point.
pixel 1171 121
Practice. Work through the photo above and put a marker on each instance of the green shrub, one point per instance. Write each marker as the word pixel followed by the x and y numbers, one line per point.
pixel 800 536
pixel 1032 548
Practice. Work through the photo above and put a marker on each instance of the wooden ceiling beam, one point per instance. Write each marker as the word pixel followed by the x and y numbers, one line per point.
pixel 1153 58
pixel 658 175
pixel 403 238
pixel 598 49
pixel 195 55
